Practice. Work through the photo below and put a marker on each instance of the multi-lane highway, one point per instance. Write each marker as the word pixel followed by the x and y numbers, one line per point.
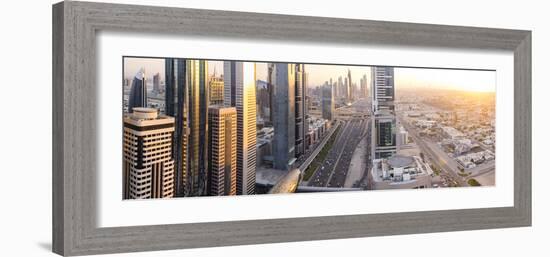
pixel 341 167
pixel 333 170
pixel 322 175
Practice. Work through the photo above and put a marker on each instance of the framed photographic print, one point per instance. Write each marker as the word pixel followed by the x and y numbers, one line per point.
pixel 183 128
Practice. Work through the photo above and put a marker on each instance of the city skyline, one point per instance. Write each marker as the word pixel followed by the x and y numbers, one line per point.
pixel 259 129
pixel 407 78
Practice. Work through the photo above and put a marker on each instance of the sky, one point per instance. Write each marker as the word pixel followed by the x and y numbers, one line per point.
pixel 463 80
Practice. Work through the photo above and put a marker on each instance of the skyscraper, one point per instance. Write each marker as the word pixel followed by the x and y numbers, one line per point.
pixel 197 77
pixel 126 82
pixel 222 135
pixel 382 87
pixel 327 101
pixel 138 92
pixel 215 90
pixel 299 102
pixel 156 83
pixel 384 143
pixel 263 99
pixel 349 96
pixel 345 90
pixel 240 92
pixel 283 77
pixel 363 86
pixel 305 108
pixel 270 69
pixel 176 102
pixel 148 166
pixel 187 100
pixel 338 89
pixel 283 80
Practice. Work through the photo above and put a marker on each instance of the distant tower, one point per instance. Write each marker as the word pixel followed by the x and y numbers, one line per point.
pixel 138 92
pixel 344 94
pixel 240 92
pixel 338 89
pixel 263 99
pixel 327 101
pixel 349 96
pixel 363 86
pixel 156 83
pixel 384 122
pixel 148 166
pixel 283 80
pixel 366 90
pixel 222 135
pixel 305 108
pixel 270 91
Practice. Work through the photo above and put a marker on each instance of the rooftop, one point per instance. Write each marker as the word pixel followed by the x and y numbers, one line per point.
pixel 399 161
pixel 144 113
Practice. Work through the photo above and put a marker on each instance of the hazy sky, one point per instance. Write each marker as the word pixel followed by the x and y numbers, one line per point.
pixel 467 80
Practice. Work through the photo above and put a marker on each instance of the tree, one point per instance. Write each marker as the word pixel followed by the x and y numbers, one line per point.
pixel 473 182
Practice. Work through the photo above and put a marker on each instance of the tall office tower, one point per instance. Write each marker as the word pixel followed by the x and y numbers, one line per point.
pixel 156 83
pixel 344 94
pixel 283 77
pixel 384 122
pixel 222 135
pixel 138 92
pixel 305 108
pixel 240 92
pixel 338 88
pixel 361 87
pixel 382 88
pixel 148 166
pixel 299 117
pixel 364 86
pixel 262 100
pixel 333 94
pixel 327 101
pixel 197 78
pixel 349 97
pixel 270 91
pixel 176 102
pixel 215 90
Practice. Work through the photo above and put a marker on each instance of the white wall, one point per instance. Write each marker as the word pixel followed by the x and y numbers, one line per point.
pixel 25 212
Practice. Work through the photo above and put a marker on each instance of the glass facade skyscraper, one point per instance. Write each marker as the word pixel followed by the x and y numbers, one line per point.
pixel 138 92
pixel 240 92
pixel 300 118
pixel 327 101
pixel 384 143
pixel 197 78
pixel 176 106
pixel 283 77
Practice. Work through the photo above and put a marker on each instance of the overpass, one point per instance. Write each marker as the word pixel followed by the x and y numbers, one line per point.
pixel 289 183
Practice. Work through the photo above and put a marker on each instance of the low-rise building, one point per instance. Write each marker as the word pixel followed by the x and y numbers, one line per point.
pixel 452 133
pixel 401 172
pixel 471 160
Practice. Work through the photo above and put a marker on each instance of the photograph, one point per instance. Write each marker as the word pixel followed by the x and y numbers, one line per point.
pixel 203 127
pixel 227 128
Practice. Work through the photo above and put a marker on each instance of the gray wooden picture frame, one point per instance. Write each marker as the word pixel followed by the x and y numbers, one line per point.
pixel 75 25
